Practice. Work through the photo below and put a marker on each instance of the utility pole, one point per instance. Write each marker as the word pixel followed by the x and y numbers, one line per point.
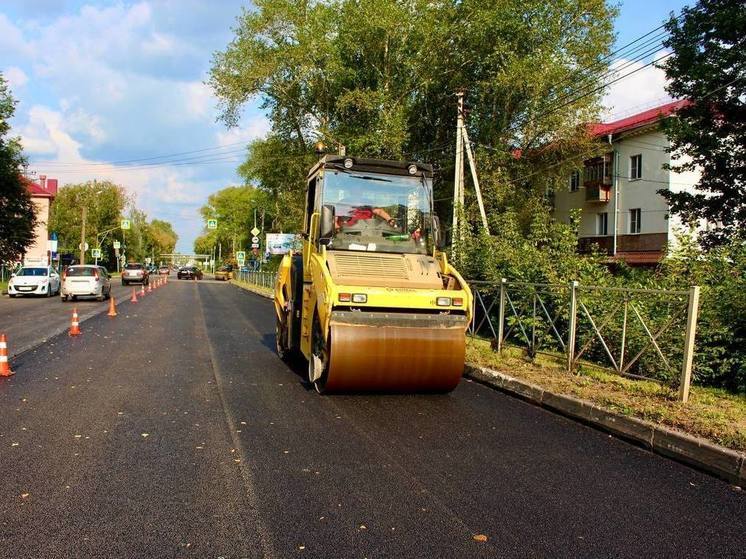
pixel 82 237
pixel 459 219
pixel 458 180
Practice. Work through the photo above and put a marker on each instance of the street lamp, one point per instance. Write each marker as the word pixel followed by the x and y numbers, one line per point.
pixel 100 243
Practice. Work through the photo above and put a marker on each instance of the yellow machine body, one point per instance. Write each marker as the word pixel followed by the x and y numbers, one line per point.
pixel 369 320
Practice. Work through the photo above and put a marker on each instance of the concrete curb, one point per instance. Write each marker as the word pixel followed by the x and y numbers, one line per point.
pixel 253 289
pixel 719 461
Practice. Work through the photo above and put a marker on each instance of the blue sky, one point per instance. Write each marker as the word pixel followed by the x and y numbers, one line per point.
pixel 104 82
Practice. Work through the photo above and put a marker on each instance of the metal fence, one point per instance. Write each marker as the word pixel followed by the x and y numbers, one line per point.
pixel 260 279
pixel 639 333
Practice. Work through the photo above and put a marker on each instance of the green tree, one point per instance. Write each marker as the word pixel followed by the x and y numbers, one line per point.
pixel 284 188
pixel 234 209
pixel 378 76
pixel 708 67
pixel 104 202
pixel 163 237
pixel 17 215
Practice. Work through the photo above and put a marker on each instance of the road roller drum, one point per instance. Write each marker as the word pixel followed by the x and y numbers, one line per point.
pixel 394 352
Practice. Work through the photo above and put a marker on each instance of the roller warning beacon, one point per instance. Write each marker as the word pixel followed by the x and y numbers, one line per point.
pixel 372 303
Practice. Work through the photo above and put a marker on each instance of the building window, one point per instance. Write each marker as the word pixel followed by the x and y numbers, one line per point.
pixel 635 167
pixel 635 220
pixel 602 224
pixel 574 181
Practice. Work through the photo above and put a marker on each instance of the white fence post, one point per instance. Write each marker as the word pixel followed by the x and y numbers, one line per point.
pixel 691 329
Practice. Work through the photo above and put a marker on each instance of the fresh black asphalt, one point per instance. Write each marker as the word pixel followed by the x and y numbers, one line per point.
pixel 173 430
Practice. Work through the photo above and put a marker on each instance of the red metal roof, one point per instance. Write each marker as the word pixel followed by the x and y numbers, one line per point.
pixel 37 191
pixel 640 119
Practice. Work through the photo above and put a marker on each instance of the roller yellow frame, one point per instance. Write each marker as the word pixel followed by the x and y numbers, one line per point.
pixel 372 303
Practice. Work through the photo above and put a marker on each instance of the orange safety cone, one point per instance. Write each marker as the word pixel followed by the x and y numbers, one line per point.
pixel 150 288
pixel 133 299
pixel 75 324
pixel 112 306
pixel 4 364
pixel 142 291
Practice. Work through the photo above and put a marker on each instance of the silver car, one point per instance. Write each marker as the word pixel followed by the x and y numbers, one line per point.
pixel 85 281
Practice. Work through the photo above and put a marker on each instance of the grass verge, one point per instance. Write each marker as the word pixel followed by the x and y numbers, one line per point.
pixel 711 413
pixel 3 286
pixel 266 291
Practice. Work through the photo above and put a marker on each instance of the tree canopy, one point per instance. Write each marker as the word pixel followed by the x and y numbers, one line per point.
pixel 379 77
pixel 106 204
pixel 17 214
pixel 233 208
pixel 708 67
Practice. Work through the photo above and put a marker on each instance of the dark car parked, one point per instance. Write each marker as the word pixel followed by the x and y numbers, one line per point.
pixel 189 272
pixel 135 273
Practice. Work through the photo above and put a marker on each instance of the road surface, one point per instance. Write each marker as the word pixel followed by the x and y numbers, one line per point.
pixel 173 430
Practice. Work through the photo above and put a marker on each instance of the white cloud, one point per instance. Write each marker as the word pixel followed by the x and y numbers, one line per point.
pixel 200 101
pixel 121 81
pixel 637 92
pixel 12 42
pixel 257 127
pixel 16 77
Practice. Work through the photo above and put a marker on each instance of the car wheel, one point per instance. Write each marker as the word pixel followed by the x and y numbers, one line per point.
pixel 49 292
pixel 11 295
pixel 73 297
pixel 124 282
pixel 64 298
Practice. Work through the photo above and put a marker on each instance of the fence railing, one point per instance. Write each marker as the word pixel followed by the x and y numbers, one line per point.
pixel 260 279
pixel 639 333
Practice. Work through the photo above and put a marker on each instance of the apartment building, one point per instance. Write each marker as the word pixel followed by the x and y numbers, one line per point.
pixel 622 212
pixel 43 193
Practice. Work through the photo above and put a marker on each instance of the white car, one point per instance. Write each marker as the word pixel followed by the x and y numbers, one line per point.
pixel 34 280
pixel 85 281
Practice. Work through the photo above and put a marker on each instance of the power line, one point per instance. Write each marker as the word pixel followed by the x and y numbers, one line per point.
pixel 125 161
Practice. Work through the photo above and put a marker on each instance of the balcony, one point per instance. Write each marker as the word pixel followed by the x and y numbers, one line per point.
pixel 597 193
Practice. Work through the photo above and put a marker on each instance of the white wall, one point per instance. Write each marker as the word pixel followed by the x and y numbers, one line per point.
pixel 37 252
pixel 641 193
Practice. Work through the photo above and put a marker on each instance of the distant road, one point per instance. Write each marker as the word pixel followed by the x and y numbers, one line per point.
pixel 173 430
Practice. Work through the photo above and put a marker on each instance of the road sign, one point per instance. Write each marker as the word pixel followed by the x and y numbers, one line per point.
pixel 148 260
pixel 254 239
pixel 126 224
pixel 254 245
pixel 255 251
pixel 96 252
pixel 240 255
pixel 117 245
pixel 212 223
pixel 81 246
pixel 255 231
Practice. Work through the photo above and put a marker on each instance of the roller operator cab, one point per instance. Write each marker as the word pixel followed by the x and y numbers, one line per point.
pixel 371 303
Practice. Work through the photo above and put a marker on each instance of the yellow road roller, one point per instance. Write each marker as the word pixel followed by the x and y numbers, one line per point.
pixel 372 303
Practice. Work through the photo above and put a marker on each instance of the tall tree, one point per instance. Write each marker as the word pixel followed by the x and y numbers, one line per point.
pixel 234 208
pixel 104 202
pixel 17 215
pixel 378 76
pixel 163 236
pixel 708 67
